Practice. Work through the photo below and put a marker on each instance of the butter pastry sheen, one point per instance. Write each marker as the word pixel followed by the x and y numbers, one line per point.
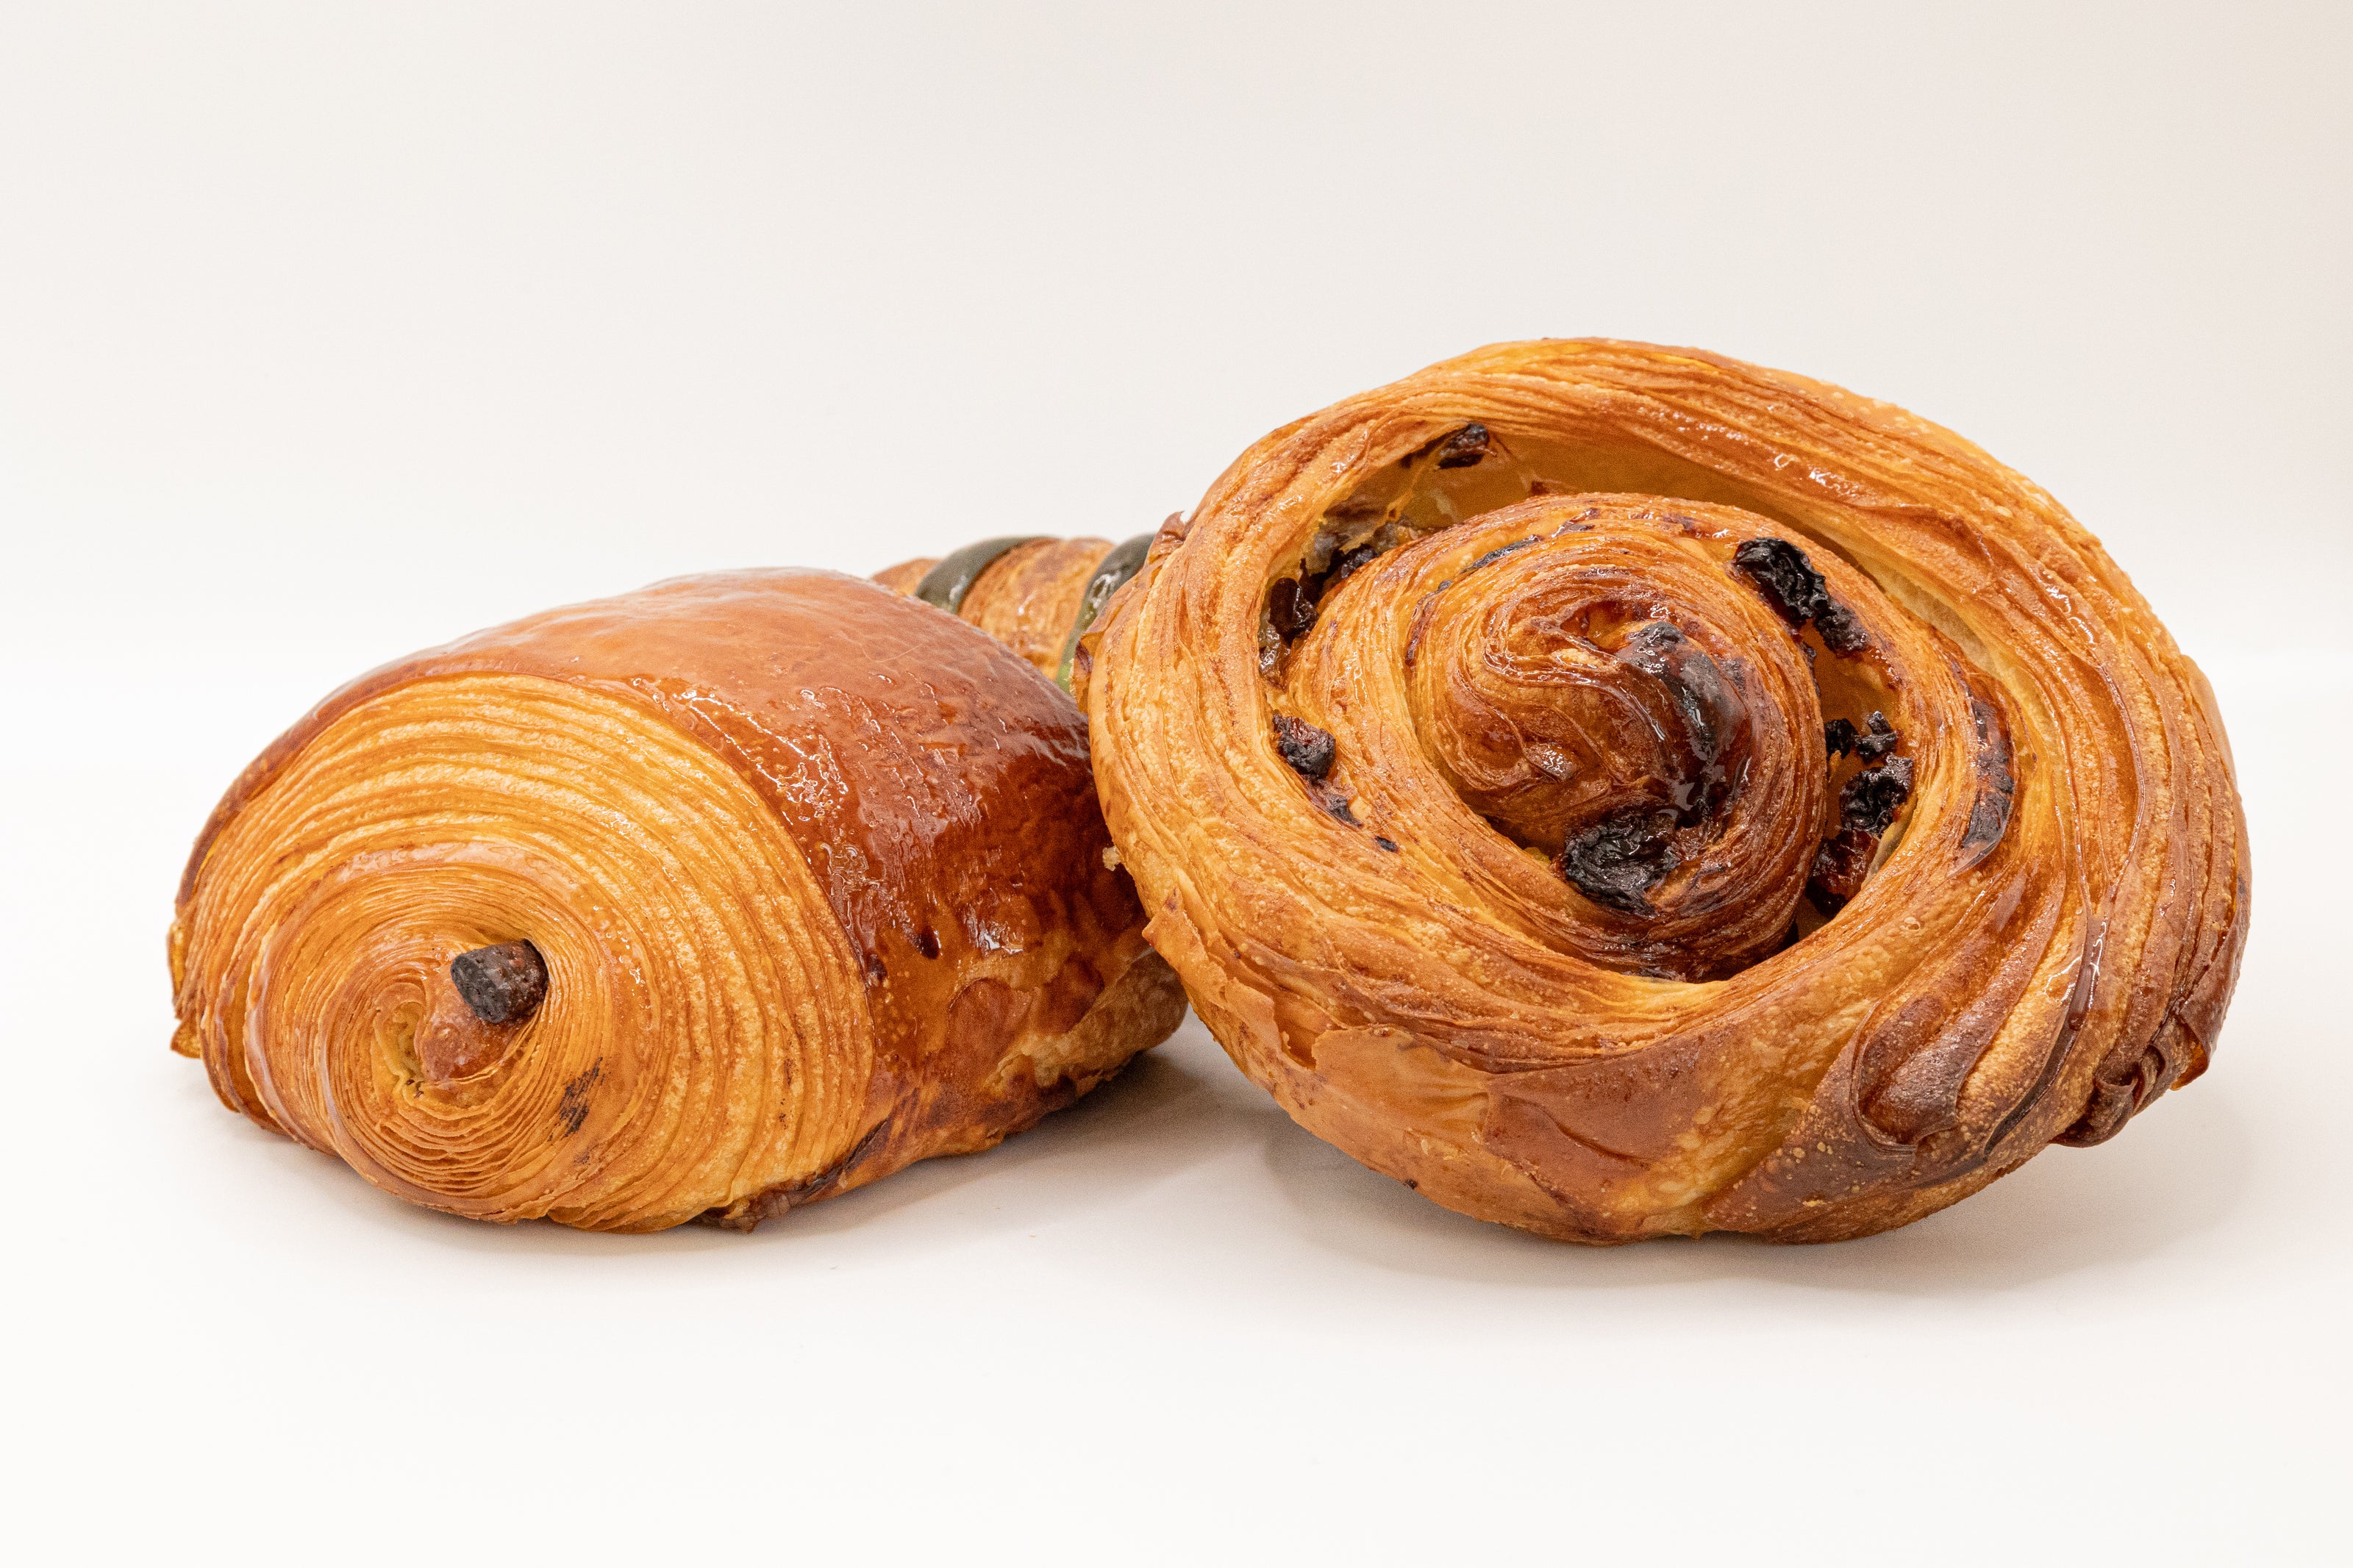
pixel 1621 790
pixel 707 901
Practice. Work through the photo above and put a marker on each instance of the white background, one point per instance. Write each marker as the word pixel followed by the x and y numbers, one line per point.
pixel 328 332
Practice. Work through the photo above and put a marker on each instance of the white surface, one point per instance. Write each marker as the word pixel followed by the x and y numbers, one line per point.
pixel 329 333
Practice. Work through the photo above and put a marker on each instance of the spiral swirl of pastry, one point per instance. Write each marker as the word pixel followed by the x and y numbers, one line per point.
pixel 705 901
pixel 1621 790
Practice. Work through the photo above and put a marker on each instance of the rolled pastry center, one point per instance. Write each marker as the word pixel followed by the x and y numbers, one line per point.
pixel 701 1032
pixel 1591 691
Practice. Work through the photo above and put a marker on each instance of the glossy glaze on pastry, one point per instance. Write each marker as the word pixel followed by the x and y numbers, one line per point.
pixel 1620 791
pixel 708 900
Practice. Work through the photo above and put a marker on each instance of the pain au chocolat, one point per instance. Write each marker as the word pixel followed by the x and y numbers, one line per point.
pixel 705 901
pixel 1620 791
pixel 1034 595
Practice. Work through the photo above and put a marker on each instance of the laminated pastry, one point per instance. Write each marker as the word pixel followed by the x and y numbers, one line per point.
pixel 705 901
pixel 1620 791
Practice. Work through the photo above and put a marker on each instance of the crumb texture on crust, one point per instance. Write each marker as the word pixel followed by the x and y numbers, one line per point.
pixel 1622 790
pixel 815 875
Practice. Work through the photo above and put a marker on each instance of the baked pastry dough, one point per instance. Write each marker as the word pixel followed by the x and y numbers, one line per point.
pixel 708 900
pixel 1621 790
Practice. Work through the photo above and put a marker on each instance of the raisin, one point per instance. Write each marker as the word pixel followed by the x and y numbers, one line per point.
pixel 1873 798
pixel 1307 748
pixel 1270 646
pixel 1841 632
pixel 1387 844
pixel 1797 592
pixel 1351 563
pixel 1880 740
pixel 1288 610
pixel 1784 576
pixel 1839 868
pixel 1464 447
pixel 1838 736
pixel 1618 860
pixel 502 984
pixel 1314 585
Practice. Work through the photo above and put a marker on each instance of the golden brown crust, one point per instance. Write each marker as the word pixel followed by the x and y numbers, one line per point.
pixel 816 872
pixel 1582 928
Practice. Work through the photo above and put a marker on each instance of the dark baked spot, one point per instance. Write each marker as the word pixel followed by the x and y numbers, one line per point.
pixel 1423 614
pixel 1838 737
pixel 1334 801
pixel 927 942
pixel 1873 798
pixel 1307 748
pixel 1709 709
pixel 1464 447
pixel 502 984
pixel 572 1109
pixel 1618 860
pixel 877 971
pixel 1494 555
pixel 1996 783
pixel 1878 738
pixel 1387 844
